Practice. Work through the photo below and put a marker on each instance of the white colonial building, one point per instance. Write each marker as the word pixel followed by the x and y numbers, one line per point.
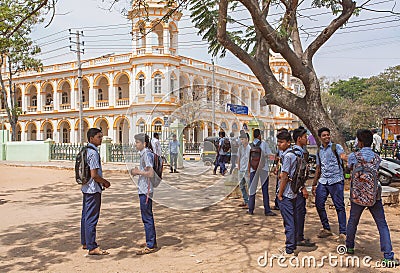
pixel 142 90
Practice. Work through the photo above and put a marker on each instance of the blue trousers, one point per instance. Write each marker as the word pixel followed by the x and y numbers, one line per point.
pixel 336 191
pixel 146 209
pixel 254 177
pixel 222 160
pixel 289 214
pixel 378 214
pixel 173 160
pixel 242 186
pixel 90 216
pixel 233 163
pixel 301 216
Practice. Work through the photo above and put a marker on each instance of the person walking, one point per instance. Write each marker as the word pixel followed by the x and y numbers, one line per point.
pixel 173 153
pixel 259 173
pixel 243 165
pixel 156 145
pixel 235 143
pixel 329 180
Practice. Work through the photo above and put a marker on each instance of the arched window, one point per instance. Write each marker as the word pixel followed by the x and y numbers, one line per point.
pixel 100 94
pixel 142 127
pixel 157 83
pixel 119 93
pixel 49 99
pixel 49 133
pixel 34 101
pixel 83 96
pixel 157 126
pixel 281 76
pixel 64 98
pixel 234 127
pixel 141 84
pixel 65 134
pixel 223 125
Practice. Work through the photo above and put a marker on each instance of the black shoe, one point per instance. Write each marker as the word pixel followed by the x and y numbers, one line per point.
pixel 250 212
pixel 270 213
pixel 275 208
pixel 175 171
pixel 306 243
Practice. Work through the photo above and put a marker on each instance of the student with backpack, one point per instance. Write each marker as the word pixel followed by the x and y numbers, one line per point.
pixel 258 166
pixel 301 173
pixel 329 180
pixel 235 143
pixel 223 149
pixel 145 189
pixel 365 193
pixel 286 195
pixel 92 194
pixel 173 153
pixel 243 165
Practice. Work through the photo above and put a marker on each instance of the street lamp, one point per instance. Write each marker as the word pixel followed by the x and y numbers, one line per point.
pixel 81 136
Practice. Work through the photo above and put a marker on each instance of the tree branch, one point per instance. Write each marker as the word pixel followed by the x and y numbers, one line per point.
pixel 348 9
pixel 29 15
pixel 276 43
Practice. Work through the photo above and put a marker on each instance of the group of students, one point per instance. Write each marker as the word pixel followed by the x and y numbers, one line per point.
pixel 329 180
pixel 93 188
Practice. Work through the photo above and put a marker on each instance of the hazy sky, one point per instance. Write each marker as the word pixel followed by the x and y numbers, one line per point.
pixel 367 45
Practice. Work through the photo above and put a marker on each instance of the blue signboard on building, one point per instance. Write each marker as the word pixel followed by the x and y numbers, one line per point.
pixel 238 109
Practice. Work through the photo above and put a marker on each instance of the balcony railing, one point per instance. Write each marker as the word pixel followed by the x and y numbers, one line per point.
pixel 65 106
pixel 32 109
pixel 158 49
pixel 141 51
pixel 47 108
pixel 122 102
pixel 102 103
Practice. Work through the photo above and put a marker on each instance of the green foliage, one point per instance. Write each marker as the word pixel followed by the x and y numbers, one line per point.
pixel 363 103
pixel 351 89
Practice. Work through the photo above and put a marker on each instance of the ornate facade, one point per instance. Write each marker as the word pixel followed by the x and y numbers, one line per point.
pixel 142 90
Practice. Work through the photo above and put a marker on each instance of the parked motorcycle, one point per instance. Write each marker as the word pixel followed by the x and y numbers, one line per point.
pixel 389 171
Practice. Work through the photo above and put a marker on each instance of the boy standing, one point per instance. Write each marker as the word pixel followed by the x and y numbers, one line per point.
pixel 92 194
pixel 260 173
pixel 145 190
pixel 155 144
pixel 173 153
pixel 234 151
pixel 300 139
pixel 366 155
pixel 286 197
pixel 243 163
pixel 330 179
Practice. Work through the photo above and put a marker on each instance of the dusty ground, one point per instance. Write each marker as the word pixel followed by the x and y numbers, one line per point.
pixel 40 222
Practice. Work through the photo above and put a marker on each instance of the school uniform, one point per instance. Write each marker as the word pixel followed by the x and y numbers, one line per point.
pixel 173 154
pixel 91 201
pixel 376 210
pixel 330 183
pixel 287 205
pixel 260 174
pixel 243 155
pixel 145 191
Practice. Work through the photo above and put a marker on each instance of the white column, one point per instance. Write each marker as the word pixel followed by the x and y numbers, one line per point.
pixel 24 135
pixel 132 86
pixel 149 83
pixel 56 96
pixel 92 99
pixel 112 90
pixel 74 95
pixel 39 97
pixel 166 38
pixel 24 99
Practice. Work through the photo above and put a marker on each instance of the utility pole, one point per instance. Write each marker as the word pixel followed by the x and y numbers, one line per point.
pixel 78 57
pixel 213 98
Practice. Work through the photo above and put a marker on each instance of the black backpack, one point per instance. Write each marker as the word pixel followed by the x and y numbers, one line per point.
pixel 158 165
pixel 255 155
pixel 82 170
pixel 226 145
pixel 299 178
